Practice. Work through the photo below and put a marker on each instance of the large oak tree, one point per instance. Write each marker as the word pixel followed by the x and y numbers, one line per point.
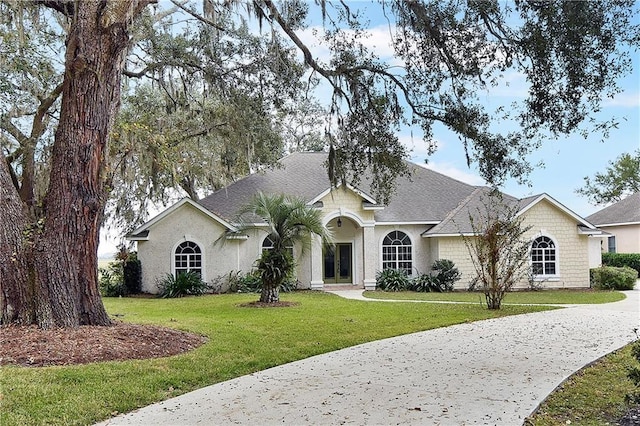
pixel 571 54
pixel 49 273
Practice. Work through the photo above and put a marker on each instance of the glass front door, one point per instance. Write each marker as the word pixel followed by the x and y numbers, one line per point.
pixel 337 264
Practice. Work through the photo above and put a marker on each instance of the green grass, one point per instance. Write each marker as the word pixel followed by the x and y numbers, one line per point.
pixel 593 396
pixel 241 341
pixel 562 297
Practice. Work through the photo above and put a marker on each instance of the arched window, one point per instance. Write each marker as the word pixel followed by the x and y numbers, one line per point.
pixel 267 244
pixel 396 252
pixel 188 258
pixel 544 257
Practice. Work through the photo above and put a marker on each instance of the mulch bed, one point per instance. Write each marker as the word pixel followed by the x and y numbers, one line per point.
pixel 30 346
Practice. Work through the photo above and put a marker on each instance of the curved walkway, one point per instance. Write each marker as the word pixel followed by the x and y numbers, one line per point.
pixel 491 372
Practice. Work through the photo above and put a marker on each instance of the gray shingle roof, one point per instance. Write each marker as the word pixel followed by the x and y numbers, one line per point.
pixel 624 211
pixel 426 196
pixel 459 219
pixel 301 175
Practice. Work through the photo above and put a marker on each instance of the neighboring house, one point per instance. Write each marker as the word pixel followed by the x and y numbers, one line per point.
pixel 424 222
pixel 622 221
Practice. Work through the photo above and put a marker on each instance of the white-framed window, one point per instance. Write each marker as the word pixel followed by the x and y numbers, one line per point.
pixel 544 257
pixel 397 252
pixel 188 258
pixel 267 244
pixel 611 245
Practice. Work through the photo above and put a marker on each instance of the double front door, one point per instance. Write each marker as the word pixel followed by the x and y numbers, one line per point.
pixel 338 264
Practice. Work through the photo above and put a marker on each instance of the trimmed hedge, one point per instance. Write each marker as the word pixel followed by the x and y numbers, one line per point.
pixel 632 260
pixel 613 278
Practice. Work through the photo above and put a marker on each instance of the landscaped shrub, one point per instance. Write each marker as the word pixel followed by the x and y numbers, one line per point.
pixel 422 283
pixel 446 275
pixel 185 284
pixel 132 274
pixel 250 282
pixel 392 280
pixel 246 283
pixel 111 280
pixel 612 278
pixel 632 260
pixel 122 276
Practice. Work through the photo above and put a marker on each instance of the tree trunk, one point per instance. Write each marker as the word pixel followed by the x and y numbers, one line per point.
pixel 494 299
pixel 16 277
pixel 270 294
pixel 64 259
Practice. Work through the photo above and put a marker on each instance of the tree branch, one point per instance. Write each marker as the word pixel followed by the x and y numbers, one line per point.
pixel 181 6
pixel 37 128
pixel 329 75
pixel 121 11
pixel 66 7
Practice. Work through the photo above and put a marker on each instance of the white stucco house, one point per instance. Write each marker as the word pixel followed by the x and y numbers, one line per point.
pixel 622 221
pixel 423 222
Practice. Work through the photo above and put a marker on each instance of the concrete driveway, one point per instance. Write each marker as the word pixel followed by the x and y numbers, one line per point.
pixel 492 372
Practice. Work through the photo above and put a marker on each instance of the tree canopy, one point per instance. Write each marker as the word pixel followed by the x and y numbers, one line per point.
pixel 197 80
pixel 208 96
pixel 619 180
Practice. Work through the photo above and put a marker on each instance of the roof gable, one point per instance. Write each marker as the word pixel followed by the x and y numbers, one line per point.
pixel 365 197
pixel 142 232
pixel 527 203
pixel 458 221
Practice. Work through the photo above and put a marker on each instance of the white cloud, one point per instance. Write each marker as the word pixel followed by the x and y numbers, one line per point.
pixel 377 40
pixel 418 154
pixel 625 100
pixel 416 146
pixel 453 171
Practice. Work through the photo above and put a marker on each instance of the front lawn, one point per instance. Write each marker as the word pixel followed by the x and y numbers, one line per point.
pixel 552 297
pixel 241 340
pixel 593 396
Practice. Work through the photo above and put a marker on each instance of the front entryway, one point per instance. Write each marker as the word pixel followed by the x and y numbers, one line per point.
pixel 338 264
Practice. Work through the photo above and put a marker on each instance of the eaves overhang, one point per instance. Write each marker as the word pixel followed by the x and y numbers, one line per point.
pixel 605 225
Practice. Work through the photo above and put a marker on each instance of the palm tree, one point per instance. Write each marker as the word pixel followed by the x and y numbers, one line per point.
pixel 290 220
